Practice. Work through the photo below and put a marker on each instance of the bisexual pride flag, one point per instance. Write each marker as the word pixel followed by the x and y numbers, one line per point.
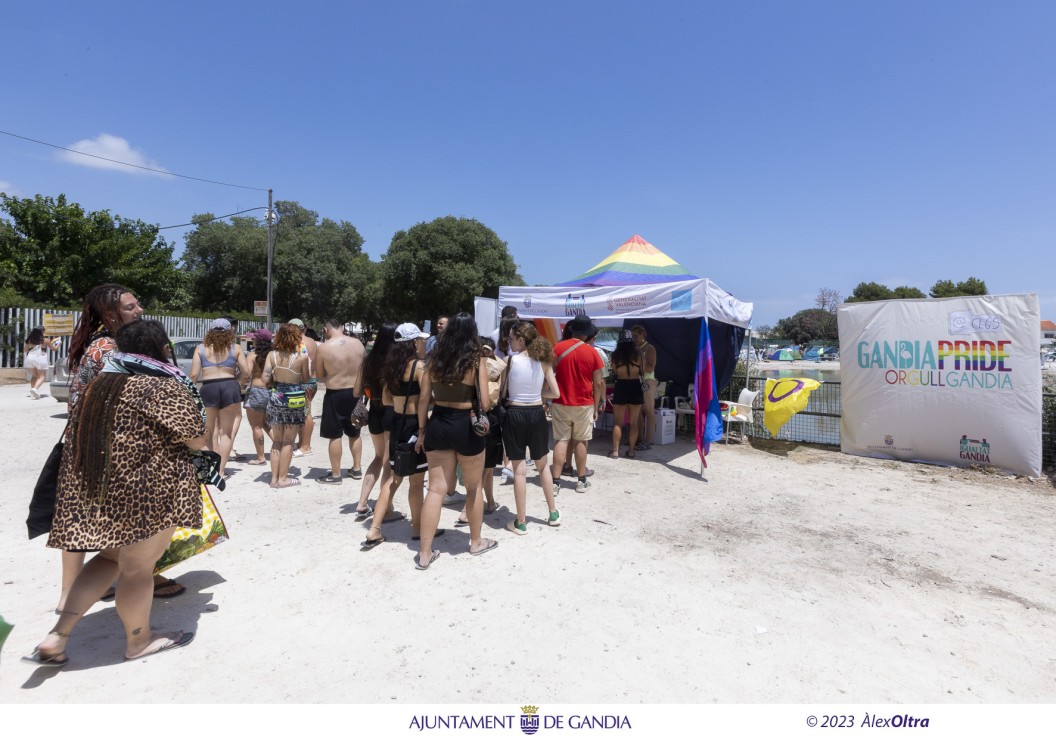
pixel 706 397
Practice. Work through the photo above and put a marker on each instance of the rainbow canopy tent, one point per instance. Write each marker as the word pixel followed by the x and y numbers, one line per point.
pixel 696 326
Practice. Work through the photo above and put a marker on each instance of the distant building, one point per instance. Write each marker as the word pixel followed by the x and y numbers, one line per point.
pixel 1048 330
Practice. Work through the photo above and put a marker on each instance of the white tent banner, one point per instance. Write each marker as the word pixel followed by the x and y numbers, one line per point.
pixel 692 298
pixel 951 381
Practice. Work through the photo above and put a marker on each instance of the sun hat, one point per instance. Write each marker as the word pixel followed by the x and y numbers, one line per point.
pixel 296 323
pixel 409 331
pixel 220 324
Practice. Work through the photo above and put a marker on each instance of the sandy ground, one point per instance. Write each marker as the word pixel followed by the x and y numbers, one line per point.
pixel 791 573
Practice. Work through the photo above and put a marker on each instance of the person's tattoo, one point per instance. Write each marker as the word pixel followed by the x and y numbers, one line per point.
pixel 136 631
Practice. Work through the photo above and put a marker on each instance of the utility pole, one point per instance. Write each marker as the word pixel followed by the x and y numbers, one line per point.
pixel 271 246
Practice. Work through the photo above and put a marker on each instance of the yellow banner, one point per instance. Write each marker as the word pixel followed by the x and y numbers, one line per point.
pixel 58 324
pixel 784 397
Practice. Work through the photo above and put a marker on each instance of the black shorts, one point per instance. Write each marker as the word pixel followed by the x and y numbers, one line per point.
pixel 449 429
pixel 338 404
pixel 218 393
pixel 493 453
pixel 403 427
pixel 627 391
pixel 526 427
pixel 376 417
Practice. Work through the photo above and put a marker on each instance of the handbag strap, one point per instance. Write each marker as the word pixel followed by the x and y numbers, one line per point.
pixel 407 387
pixel 504 380
pixel 562 355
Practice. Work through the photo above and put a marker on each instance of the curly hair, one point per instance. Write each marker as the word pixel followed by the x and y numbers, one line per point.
pixel 287 339
pixel 396 360
pixel 144 337
pixel 101 312
pixel 219 341
pixel 375 360
pixel 538 348
pixel 458 352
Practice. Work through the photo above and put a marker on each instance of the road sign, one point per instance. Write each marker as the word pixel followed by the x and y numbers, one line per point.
pixel 260 309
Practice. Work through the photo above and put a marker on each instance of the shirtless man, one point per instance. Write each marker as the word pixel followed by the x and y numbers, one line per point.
pixel 338 361
pixel 308 347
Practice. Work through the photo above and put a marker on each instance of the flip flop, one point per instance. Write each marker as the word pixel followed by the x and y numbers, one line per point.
pixel 293 482
pixel 107 596
pixel 614 455
pixel 418 560
pixel 257 462
pixel 488 547
pixel 38 658
pixel 460 522
pixel 168 584
pixel 438 533
pixel 371 543
pixel 181 639
pixel 363 513
pixel 393 516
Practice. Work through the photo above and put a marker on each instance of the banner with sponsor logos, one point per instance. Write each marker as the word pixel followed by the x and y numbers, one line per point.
pixel 692 298
pixel 951 381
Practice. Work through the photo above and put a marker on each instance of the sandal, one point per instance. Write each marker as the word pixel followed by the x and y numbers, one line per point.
pixel 369 543
pixel 181 639
pixel 418 560
pixel 393 516
pixel 489 545
pixel 42 660
pixel 166 583
pixel 629 453
pixel 614 455
pixel 363 513
pixel 257 462
pixel 293 482
pixel 462 522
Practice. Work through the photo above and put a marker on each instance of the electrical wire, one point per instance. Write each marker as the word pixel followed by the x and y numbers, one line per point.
pixel 134 166
pixel 218 217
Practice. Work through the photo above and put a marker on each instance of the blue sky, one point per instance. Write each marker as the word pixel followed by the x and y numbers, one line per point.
pixel 776 148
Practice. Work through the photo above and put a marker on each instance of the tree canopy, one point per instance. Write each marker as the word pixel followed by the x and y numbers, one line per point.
pixel 438 267
pixel 806 326
pixel 55 252
pixel 870 291
pixel 971 287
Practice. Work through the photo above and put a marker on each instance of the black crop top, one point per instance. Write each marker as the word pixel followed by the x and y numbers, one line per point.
pixel 411 387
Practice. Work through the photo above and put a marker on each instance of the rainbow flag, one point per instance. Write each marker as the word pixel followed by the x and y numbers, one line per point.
pixel 635 262
pixel 706 409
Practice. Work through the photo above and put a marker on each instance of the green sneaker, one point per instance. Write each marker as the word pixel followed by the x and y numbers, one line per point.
pixel 516 528
pixel 555 518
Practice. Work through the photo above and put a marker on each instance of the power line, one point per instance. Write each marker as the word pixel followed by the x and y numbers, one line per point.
pixel 218 217
pixel 134 166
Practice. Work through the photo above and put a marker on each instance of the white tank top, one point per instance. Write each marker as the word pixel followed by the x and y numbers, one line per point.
pixel 525 382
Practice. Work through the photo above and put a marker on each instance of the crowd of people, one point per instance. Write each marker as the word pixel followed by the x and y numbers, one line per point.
pixel 442 410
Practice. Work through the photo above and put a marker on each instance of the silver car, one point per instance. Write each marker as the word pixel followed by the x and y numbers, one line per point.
pixel 182 348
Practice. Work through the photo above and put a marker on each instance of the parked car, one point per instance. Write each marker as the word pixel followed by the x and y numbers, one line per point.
pixel 183 349
pixel 831 354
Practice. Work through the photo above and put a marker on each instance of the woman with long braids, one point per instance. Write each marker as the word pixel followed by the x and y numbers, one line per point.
pixel 457 380
pixel 401 376
pixel 370 383
pixel 106 308
pixel 256 403
pixel 525 432
pixel 126 483
pixel 286 372
pixel 216 362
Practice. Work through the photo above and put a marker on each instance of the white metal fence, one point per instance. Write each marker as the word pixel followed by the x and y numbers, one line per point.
pixel 17 322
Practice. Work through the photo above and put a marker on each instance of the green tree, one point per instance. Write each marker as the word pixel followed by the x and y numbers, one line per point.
pixel 870 291
pixel 971 287
pixel 438 267
pixel 807 326
pixel 226 263
pixel 54 252
pixel 320 268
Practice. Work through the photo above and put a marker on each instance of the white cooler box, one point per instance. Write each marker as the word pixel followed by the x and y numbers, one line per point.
pixel 665 426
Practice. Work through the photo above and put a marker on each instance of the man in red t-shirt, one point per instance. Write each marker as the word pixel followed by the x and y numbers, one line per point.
pixel 578 369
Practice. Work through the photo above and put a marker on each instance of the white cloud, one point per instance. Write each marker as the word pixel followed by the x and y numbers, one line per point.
pixel 112 147
pixel 8 188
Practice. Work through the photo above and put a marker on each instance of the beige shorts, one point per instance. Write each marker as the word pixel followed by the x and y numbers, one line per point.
pixel 572 422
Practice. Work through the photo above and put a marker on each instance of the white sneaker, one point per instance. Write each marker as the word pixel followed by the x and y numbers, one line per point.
pixel 34 393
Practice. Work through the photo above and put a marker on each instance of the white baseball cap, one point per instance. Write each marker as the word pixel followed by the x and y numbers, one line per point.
pixel 409 331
